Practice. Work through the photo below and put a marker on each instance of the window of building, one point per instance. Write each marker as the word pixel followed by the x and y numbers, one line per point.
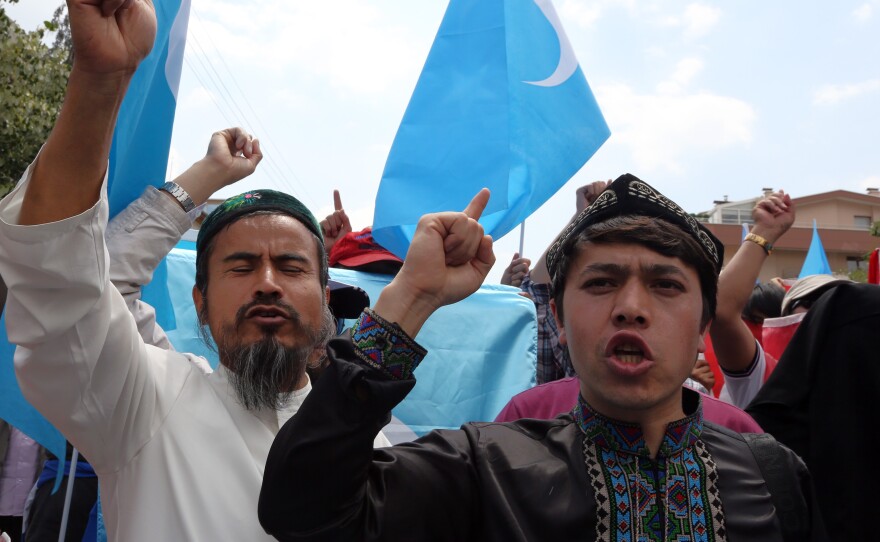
pixel 736 216
pixel 856 262
pixel 862 222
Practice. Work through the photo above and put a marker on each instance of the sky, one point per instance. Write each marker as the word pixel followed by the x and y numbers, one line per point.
pixel 704 100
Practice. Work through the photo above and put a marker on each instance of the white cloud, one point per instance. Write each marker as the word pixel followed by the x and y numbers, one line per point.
pixel 696 21
pixel 699 19
pixel 348 42
pixel 197 98
pixel 581 13
pixel 684 72
pixel 872 181
pixel 833 94
pixel 662 131
pixel 863 12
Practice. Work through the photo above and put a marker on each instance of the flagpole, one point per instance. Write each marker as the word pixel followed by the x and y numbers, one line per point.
pixel 68 496
pixel 522 236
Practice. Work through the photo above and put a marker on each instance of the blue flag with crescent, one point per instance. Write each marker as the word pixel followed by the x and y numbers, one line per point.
pixel 501 103
pixel 138 157
pixel 816 262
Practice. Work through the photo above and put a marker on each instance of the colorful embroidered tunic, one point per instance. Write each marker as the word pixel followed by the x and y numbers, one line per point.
pixel 524 481
pixel 671 497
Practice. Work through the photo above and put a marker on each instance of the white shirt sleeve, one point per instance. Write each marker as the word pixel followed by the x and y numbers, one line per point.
pixel 740 388
pixel 137 239
pixel 80 360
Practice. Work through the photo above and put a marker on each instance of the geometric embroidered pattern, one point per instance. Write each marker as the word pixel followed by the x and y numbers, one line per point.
pixel 382 345
pixel 672 497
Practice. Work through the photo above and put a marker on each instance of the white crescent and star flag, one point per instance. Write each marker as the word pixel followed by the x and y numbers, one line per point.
pixel 501 103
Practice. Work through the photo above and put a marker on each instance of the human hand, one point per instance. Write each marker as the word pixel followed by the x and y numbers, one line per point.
pixel 448 259
pixel 111 37
pixel 703 374
pixel 235 152
pixel 516 270
pixel 773 216
pixel 588 193
pixel 336 225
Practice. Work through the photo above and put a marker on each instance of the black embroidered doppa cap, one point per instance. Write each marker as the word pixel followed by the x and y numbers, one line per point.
pixel 629 195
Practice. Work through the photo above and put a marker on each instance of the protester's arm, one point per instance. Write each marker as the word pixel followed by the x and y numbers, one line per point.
pixel 584 196
pixel 144 232
pixel 516 270
pixel 336 225
pixel 553 360
pixel 732 341
pixel 80 360
pixel 110 38
pixel 320 482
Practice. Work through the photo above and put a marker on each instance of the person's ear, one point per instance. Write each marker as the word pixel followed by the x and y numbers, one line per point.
pixel 198 301
pixel 559 323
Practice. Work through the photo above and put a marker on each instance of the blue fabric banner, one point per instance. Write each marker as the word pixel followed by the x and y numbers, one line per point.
pixel 501 103
pixel 466 376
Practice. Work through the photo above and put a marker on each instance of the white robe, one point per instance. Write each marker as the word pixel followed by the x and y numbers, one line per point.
pixel 176 455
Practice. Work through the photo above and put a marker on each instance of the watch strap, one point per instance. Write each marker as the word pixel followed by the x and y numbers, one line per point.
pixel 179 194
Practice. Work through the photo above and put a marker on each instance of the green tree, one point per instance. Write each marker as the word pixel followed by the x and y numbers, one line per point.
pixel 33 77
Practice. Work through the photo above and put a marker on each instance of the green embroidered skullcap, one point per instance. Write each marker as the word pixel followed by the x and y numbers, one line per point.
pixel 251 202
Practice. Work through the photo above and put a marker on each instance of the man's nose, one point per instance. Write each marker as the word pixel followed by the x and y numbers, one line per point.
pixel 267 283
pixel 632 305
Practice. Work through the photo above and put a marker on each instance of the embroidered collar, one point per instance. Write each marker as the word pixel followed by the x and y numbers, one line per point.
pixel 628 437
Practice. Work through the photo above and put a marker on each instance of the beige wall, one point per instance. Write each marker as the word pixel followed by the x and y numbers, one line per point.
pixel 836 213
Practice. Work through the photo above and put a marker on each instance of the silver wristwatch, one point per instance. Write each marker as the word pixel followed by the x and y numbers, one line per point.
pixel 180 195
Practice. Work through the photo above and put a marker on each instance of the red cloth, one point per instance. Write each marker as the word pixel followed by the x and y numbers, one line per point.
pixel 712 360
pixel 874 267
pixel 777 334
pixel 549 400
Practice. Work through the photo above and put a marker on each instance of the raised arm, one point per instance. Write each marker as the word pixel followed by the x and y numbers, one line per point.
pixel 734 344
pixel 322 479
pixel 336 225
pixel 145 231
pixel 110 38
pixel 448 259
pixel 516 270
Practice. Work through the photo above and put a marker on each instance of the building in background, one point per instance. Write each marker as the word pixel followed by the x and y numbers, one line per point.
pixel 844 220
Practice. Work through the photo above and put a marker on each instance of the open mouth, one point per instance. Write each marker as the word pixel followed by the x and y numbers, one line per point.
pixel 263 312
pixel 629 354
pixel 628 348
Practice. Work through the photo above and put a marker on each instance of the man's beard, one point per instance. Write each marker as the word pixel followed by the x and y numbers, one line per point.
pixel 264 373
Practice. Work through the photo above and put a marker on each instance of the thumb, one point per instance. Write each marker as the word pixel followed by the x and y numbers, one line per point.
pixel 477 205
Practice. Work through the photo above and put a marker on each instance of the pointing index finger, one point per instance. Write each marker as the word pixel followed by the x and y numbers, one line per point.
pixel 337 200
pixel 477 205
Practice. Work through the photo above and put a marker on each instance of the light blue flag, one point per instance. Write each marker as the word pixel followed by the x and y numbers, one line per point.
pixel 466 376
pixel 816 262
pixel 138 157
pixel 744 233
pixel 501 103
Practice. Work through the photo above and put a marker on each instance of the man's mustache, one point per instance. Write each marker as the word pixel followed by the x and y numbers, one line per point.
pixel 266 301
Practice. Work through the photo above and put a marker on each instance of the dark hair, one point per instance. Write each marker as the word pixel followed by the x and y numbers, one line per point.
pixel 205 252
pixel 766 300
pixel 654 233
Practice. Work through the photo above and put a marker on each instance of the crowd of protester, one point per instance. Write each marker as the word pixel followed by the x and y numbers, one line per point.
pixel 677 397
